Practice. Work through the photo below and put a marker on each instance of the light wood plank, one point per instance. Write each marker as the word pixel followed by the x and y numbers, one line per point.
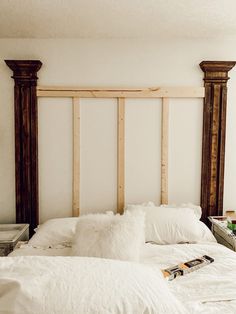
pixel 155 92
pixel 76 157
pixel 164 150
pixel 121 156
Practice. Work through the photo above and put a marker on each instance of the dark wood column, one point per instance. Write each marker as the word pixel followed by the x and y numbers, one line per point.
pixel 26 140
pixel 213 145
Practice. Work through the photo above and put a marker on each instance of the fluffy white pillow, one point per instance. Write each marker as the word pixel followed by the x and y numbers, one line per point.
pixel 110 236
pixel 165 225
pixel 54 232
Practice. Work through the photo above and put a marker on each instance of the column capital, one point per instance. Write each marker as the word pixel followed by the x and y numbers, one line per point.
pixel 216 71
pixel 24 70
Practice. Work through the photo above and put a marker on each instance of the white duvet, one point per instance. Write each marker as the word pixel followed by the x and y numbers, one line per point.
pixel 211 289
pixel 68 285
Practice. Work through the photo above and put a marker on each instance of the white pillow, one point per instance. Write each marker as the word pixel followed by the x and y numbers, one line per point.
pixel 165 225
pixel 54 232
pixel 207 235
pixel 196 208
pixel 110 236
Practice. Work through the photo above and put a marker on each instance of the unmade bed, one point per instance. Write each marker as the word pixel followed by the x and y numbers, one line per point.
pixel 48 261
pixel 208 290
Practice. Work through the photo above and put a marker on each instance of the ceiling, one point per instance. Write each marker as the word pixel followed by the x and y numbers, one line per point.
pixel 118 19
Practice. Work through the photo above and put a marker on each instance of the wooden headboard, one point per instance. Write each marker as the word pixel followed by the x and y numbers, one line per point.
pixel 26 93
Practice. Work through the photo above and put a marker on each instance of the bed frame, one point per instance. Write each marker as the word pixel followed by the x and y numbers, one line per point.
pixel 26 93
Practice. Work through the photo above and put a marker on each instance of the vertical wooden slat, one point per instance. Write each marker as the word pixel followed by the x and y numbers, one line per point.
pixel 222 146
pixel 121 156
pixel 215 141
pixel 76 157
pixel 164 150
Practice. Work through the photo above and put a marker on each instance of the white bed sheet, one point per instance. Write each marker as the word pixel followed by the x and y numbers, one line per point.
pixel 211 289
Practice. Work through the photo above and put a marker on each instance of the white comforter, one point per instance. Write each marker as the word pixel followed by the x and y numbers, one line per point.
pixel 67 285
pixel 211 289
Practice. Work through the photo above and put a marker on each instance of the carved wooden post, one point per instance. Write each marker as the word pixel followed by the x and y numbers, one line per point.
pixel 26 140
pixel 213 145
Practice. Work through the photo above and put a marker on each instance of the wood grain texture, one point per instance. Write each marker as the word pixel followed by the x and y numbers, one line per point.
pixel 76 157
pixel 121 156
pixel 26 140
pixel 213 142
pixel 164 150
pixel 94 92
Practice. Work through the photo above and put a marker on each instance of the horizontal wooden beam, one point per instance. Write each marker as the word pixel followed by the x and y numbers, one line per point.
pixel 155 92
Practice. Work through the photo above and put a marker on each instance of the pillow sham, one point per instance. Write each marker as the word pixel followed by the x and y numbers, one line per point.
pixel 54 232
pixel 166 225
pixel 110 236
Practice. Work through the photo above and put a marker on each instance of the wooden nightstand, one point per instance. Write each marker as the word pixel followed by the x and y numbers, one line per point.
pixel 222 234
pixel 10 235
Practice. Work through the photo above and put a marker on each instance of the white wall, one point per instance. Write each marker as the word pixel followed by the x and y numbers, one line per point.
pixel 114 63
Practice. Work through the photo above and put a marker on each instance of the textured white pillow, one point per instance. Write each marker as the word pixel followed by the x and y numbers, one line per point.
pixel 165 225
pixel 54 232
pixel 110 236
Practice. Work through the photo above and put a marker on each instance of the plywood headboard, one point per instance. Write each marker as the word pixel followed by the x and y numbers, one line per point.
pixel 26 92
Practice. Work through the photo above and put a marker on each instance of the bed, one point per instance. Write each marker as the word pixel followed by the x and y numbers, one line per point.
pixel 50 278
pixel 210 289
